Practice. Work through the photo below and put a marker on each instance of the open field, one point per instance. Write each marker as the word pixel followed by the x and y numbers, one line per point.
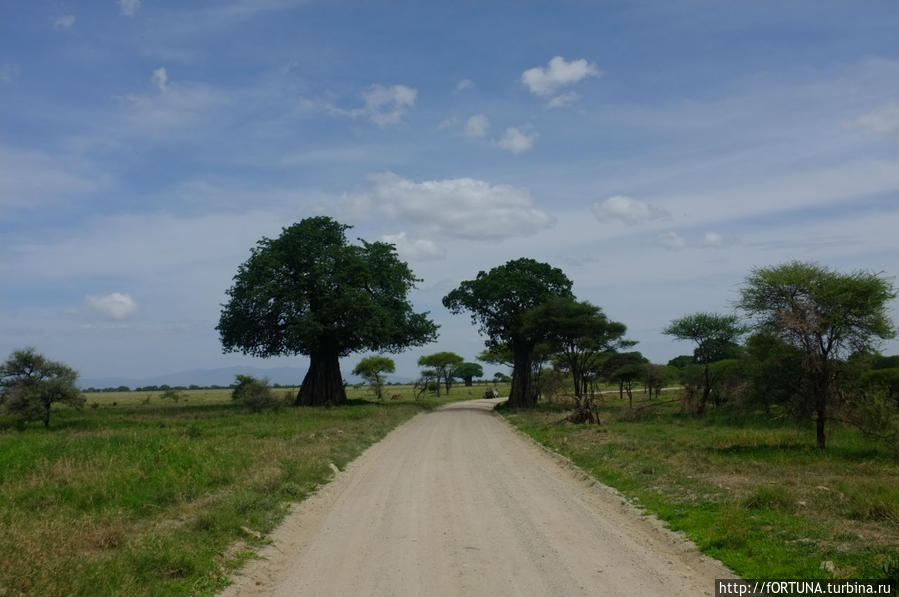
pixel 755 493
pixel 163 498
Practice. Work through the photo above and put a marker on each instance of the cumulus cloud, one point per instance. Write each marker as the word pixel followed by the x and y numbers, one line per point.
pixel 477 126
pixel 116 306
pixel 382 105
pixel 64 22
pixel 415 249
pixel 713 240
pixel 463 85
pixel 564 100
pixel 883 121
pixel 160 78
pixel 517 140
pixel 627 210
pixel 129 7
pixel 558 73
pixel 453 208
pixel 672 240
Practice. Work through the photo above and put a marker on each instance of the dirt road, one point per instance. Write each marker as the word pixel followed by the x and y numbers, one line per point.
pixel 457 503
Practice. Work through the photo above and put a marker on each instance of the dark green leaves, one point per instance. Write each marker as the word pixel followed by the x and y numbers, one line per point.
pixel 309 291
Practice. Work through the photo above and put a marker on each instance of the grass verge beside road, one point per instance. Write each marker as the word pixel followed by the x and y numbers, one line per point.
pixel 752 492
pixel 160 498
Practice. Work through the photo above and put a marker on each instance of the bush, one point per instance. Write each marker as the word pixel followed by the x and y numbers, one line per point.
pixel 254 393
pixel 169 394
pixel 30 384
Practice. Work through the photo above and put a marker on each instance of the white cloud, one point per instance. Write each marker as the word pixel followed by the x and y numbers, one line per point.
pixel 160 78
pixel 453 208
pixel 116 306
pixel 516 140
pixel 883 121
pixel 564 100
pixel 713 240
pixel 463 85
pixel 559 73
pixel 415 249
pixel 64 22
pixel 627 210
pixel 129 7
pixel 383 105
pixel 477 126
pixel 672 240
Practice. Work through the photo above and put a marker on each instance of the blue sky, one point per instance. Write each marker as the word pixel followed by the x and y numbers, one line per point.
pixel 655 151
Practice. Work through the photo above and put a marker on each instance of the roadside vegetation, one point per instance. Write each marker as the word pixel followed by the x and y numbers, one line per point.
pixel 137 494
pixel 752 490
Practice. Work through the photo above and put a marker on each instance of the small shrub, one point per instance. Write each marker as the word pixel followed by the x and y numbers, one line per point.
pixel 254 393
pixel 770 498
pixel 171 394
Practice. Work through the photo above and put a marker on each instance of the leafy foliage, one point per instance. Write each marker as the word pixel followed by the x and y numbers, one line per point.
pixel 715 335
pixel 372 370
pixel 824 314
pixel 467 372
pixel 310 292
pixel 254 393
pixel 30 384
pixel 442 364
pixel 498 301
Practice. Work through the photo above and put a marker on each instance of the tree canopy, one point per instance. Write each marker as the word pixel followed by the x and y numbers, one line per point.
pixel 713 334
pixel 310 292
pixel 443 364
pixel 30 384
pixel 825 314
pixel 372 370
pixel 467 372
pixel 576 331
pixel 498 301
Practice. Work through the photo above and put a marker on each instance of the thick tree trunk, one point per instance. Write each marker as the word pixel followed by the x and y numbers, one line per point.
pixel 521 396
pixel 821 412
pixel 323 384
pixel 706 390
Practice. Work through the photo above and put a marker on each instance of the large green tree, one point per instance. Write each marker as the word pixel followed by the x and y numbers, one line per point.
pixel 310 292
pixel 826 314
pixel 713 334
pixel 30 384
pixel 498 301
pixel 467 372
pixel 372 370
pixel 576 331
pixel 443 364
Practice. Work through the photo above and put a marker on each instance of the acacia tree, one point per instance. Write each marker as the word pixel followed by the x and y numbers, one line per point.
pixel 30 384
pixel 372 370
pixel 576 331
pixel 823 313
pixel 310 292
pixel 467 372
pixel 443 364
pixel 710 332
pixel 498 300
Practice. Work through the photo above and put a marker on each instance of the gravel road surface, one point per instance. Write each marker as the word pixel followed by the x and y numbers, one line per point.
pixel 457 503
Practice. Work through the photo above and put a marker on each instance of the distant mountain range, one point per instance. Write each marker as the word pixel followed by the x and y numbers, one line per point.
pixel 213 377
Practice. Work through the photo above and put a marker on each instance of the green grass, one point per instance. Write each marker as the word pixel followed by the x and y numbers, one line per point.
pixel 135 497
pixel 753 492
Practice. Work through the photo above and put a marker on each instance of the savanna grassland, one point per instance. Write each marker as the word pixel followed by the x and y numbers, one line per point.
pixel 138 495
pixel 755 493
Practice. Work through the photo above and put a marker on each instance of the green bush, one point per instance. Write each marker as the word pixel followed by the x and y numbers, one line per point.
pixel 254 393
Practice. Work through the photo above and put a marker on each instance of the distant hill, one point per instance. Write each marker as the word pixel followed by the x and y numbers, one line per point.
pixel 215 377
pixel 200 377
